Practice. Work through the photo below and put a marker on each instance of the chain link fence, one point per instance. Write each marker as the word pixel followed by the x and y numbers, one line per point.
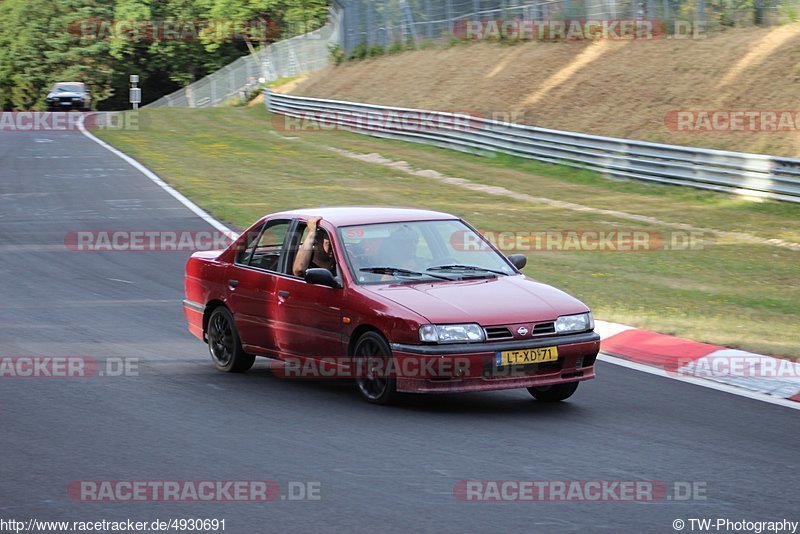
pixel 376 25
pixel 386 23
pixel 290 57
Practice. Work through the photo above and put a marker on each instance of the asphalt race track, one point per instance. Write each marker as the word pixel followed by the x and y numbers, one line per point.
pixel 379 469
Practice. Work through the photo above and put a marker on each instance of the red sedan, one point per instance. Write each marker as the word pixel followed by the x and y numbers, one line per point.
pixel 401 300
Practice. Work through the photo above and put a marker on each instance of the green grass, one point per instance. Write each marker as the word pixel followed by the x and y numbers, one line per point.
pixel 733 291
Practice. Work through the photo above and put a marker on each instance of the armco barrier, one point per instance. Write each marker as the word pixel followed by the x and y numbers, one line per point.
pixel 753 175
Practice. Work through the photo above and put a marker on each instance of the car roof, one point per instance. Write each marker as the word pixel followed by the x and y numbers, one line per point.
pixel 69 83
pixel 350 215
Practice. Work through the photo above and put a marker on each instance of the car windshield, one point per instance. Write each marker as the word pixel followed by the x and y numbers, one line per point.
pixel 430 251
pixel 68 88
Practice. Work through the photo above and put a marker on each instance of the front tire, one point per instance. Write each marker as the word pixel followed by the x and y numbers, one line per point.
pixel 554 393
pixel 224 344
pixel 372 359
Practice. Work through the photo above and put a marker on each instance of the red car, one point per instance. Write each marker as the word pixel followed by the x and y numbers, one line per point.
pixel 401 300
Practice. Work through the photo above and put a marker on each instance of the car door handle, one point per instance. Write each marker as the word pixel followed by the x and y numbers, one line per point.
pixel 284 294
pixel 233 283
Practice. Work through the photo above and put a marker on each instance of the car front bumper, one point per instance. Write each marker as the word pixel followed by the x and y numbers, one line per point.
pixel 472 366
pixel 65 105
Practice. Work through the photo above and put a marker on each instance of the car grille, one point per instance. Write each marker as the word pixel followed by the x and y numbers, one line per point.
pixel 494 333
pixel 497 333
pixel 543 329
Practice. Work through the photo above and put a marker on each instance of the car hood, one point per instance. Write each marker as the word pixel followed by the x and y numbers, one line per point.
pixel 490 301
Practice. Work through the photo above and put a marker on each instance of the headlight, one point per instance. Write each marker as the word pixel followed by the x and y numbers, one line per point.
pixel 76 98
pixel 574 323
pixel 450 333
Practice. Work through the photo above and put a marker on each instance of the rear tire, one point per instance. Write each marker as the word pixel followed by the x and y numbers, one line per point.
pixel 554 393
pixel 224 344
pixel 374 374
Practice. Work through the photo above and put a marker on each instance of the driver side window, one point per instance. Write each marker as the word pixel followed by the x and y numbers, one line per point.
pixel 323 255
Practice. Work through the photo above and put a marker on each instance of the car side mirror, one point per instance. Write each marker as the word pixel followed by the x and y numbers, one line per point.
pixel 518 260
pixel 321 277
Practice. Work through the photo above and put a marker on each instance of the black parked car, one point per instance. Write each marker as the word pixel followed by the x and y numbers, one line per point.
pixel 69 95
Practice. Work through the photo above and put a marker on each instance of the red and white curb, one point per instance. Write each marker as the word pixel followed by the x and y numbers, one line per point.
pixel 735 371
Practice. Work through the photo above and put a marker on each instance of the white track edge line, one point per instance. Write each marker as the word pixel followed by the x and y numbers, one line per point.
pixel 194 208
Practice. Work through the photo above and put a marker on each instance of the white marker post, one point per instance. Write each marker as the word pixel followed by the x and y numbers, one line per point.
pixel 136 92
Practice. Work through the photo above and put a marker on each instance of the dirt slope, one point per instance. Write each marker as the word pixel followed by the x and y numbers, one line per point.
pixel 623 89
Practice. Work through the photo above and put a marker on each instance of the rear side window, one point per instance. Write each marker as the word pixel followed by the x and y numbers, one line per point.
pixel 246 248
pixel 268 250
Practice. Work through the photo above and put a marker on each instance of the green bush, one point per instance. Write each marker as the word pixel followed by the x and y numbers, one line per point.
pixel 359 52
pixel 396 48
pixel 426 44
pixel 336 54
pixel 376 50
pixel 788 10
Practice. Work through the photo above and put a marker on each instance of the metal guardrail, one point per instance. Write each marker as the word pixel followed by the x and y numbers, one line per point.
pixel 753 175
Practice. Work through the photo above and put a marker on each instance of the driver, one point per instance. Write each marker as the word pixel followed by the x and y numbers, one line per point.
pixel 400 249
pixel 316 250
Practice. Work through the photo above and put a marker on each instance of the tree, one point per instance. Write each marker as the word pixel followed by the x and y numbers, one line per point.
pixel 46 41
